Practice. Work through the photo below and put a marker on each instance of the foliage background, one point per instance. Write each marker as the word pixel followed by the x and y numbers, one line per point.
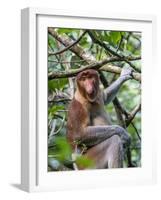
pixel 61 90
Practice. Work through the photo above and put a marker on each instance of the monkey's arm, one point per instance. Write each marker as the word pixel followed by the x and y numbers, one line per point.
pixel 110 92
pixel 93 135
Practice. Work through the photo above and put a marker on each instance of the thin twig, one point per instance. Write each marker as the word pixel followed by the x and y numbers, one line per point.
pixel 68 47
pixel 115 53
pixel 120 42
pixel 132 114
pixel 66 41
pixel 87 57
pixel 64 62
pixel 58 100
pixel 57 131
pixel 136 130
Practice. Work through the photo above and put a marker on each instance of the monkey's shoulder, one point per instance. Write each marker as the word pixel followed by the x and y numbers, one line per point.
pixel 77 112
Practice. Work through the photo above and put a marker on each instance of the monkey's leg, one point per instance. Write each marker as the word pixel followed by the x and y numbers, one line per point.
pixel 94 135
pixel 115 153
pixel 107 154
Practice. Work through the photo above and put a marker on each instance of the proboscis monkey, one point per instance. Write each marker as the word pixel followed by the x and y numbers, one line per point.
pixel 89 124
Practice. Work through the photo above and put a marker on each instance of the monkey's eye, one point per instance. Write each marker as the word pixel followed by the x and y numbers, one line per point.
pixel 83 78
pixel 90 77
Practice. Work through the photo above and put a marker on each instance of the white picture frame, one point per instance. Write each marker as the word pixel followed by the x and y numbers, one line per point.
pixel 34 176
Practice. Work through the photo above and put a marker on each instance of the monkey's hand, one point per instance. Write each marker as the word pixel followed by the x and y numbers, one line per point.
pixel 127 72
pixel 125 137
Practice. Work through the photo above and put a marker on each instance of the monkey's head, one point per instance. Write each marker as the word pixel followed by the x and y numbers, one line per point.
pixel 88 84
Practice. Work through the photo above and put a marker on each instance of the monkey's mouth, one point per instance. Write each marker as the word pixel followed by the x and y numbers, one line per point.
pixel 90 92
pixel 92 96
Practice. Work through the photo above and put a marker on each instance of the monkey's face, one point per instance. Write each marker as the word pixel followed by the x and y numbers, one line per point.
pixel 88 84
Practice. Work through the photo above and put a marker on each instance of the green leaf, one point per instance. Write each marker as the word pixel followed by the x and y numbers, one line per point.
pixel 115 36
pixel 51 42
pixel 84 162
pixel 64 30
pixel 69 31
pixel 63 149
pixel 57 83
pixel 54 109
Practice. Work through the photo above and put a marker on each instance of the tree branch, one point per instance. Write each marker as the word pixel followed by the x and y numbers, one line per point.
pixel 132 114
pixel 50 30
pixel 66 41
pixel 97 65
pixel 136 130
pixel 87 57
pixel 115 53
pixel 66 62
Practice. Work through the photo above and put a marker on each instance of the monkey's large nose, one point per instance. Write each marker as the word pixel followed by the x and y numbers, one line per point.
pixel 89 89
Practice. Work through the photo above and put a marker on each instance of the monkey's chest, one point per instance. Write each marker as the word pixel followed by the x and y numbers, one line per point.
pixel 99 118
